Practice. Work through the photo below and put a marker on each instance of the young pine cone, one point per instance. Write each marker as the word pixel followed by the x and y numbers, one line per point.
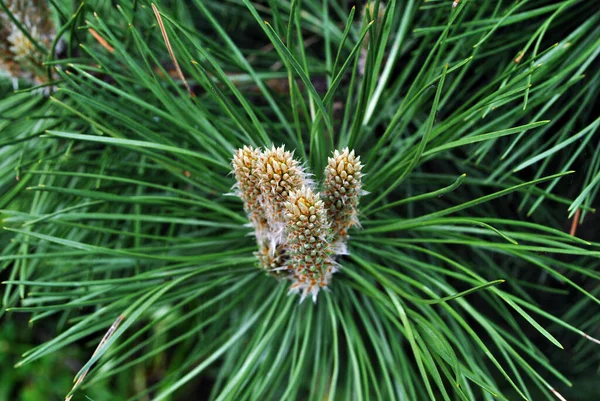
pixel 308 236
pixel 274 262
pixel 280 175
pixel 244 165
pixel 341 193
pixel 298 231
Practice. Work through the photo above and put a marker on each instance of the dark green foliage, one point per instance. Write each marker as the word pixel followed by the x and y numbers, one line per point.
pixel 477 129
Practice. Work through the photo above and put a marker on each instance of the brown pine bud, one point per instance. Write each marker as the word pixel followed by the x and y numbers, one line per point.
pixel 279 175
pixel 307 236
pixel 19 56
pixel 248 188
pixel 274 262
pixel 342 189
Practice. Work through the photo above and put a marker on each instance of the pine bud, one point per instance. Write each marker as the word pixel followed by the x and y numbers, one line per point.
pixel 19 56
pixel 244 168
pixel 307 235
pixel 341 193
pixel 298 233
pixel 279 175
pixel 274 262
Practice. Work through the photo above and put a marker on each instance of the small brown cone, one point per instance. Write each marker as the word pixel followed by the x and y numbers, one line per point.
pixel 342 189
pixel 279 175
pixel 308 236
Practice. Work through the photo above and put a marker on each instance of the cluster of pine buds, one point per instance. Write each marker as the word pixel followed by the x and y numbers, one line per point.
pixel 299 231
pixel 19 56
